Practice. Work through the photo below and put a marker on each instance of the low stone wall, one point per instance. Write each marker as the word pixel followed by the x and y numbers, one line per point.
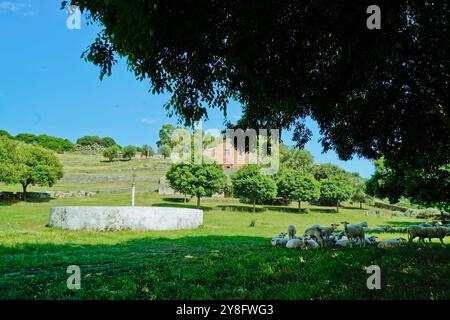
pixel 387 206
pixel 105 178
pixel 125 218
pixel 46 195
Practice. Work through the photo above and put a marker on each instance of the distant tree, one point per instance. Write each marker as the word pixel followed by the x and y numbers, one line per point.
pixel 334 190
pixel 165 150
pixel 208 179
pixel 298 185
pixel 9 161
pixel 4 133
pixel 166 136
pixel 180 178
pixel 360 196
pixel 386 182
pixel 128 152
pixel 429 188
pixel 28 165
pixel 111 153
pixel 326 170
pixel 295 158
pixel 107 142
pixel 59 145
pixel 249 183
pixel 147 151
pixel 26 137
pixel 53 143
pixel 197 180
pixel 90 141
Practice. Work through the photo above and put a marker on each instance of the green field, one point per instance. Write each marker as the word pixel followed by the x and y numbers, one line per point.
pixel 223 259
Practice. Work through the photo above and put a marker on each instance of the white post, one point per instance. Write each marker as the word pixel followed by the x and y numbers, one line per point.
pixel 133 192
pixel 133 188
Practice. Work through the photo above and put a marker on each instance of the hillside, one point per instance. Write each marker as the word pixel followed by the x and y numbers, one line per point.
pixel 93 173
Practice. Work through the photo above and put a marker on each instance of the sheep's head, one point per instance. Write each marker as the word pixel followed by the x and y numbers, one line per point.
pixel 334 225
pixel 345 223
pixel 364 224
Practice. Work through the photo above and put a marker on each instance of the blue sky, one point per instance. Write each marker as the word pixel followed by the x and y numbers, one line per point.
pixel 45 87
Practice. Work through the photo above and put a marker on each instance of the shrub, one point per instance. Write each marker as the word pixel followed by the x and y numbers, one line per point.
pixel 28 165
pixel 128 152
pixel 112 153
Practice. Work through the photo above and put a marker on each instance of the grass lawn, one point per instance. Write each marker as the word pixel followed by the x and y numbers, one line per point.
pixel 224 259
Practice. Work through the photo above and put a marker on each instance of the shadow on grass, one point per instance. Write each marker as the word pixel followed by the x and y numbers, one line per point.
pixel 219 267
pixel 177 200
pixel 351 207
pixel 288 209
pixel 404 223
pixel 10 202
pixel 241 208
pixel 181 205
pixel 322 210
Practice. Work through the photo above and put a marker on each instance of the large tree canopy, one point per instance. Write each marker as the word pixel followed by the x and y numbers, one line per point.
pixel 427 188
pixel 372 92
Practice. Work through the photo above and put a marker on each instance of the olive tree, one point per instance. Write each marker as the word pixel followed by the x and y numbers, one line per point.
pixel 165 150
pixel 28 165
pixel 128 152
pixel 298 185
pixel 334 190
pixel 112 153
pixel 180 178
pixel 197 180
pixel 250 184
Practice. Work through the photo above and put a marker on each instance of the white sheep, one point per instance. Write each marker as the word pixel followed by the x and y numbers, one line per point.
pixel 316 233
pixel 302 243
pixel 391 243
pixel 364 224
pixel 279 240
pixel 434 232
pixel 355 231
pixel 344 242
pixel 311 244
pixel 294 243
pixel 368 240
pixel 326 232
pixel 292 231
pixel 371 240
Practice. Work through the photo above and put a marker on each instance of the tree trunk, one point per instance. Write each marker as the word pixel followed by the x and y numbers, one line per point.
pixel 184 200
pixel 24 188
pixel 337 207
pixel 254 205
pixel 360 205
pixel 198 202
pixel 299 206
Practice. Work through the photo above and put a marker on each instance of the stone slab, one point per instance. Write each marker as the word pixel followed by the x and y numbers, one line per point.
pixel 125 218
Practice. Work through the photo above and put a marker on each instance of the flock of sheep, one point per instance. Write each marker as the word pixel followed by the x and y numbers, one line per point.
pixel 318 236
